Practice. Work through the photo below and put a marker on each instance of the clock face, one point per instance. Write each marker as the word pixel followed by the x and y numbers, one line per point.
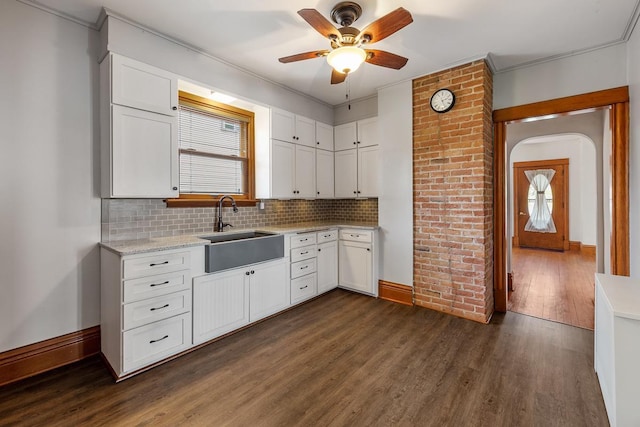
pixel 442 101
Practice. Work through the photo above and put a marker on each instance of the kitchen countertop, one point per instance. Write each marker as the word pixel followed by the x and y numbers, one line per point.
pixel 130 247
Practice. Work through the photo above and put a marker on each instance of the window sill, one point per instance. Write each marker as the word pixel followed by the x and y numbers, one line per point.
pixel 206 203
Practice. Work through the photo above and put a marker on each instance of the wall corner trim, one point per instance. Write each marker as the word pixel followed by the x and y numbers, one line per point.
pixel 33 359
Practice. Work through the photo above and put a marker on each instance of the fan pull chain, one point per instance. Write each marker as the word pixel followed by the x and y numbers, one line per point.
pixel 348 94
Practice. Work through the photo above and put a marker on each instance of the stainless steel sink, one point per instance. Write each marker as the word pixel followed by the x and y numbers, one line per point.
pixel 229 250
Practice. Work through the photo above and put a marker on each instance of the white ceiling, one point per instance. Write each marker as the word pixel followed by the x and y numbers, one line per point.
pixel 253 34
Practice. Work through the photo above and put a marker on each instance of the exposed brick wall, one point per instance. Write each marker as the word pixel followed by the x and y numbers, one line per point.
pixel 453 194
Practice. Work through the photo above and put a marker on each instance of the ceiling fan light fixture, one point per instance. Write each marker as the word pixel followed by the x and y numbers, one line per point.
pixel 346 59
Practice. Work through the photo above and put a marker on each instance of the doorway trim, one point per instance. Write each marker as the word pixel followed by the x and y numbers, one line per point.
pixel 617 99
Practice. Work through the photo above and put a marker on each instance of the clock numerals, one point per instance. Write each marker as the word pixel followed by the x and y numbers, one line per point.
pixel 442 101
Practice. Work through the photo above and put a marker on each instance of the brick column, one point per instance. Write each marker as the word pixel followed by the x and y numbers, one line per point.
pixel 453 194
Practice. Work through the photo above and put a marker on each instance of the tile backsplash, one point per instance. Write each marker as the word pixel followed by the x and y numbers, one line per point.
pixel 126 219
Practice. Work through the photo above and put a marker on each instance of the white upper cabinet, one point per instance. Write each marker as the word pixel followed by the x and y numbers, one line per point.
pixel 346 166
pixel 324 136
pixel 367 132
pixel 346 136
pixel 286 126
pixel 139 130
pixel 324 174
pixel 293 173
pixel 305 131
pixel 283 125
pixel 357 162
pixel 138 85
pixel 144 153
pixel 368 171
pixel 305 167
pixel 362 133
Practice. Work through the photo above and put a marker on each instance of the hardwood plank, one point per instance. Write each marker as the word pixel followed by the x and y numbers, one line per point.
pixel 341 359
pixel 557 286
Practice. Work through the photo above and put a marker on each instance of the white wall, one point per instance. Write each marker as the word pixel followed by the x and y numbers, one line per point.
pixel 49 215
pixel 143 45
pixel 633 75
pixel 573 75
pixel 362 108
pixel 395 204
pixel 582 180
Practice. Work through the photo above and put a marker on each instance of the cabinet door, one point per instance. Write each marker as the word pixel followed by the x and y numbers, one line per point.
pixel 305 131
pixel 345 136
pixel 282 169
pixel 346 176
pixel 324 136
pixel 138 85
pixel 268 289
pixel 368 171
pixel 327 266
pixel 305 180
pixel 282 125
pixel 368 132
pixel 220 304
pixel 144 154
pixel 354 266
pixel 324 174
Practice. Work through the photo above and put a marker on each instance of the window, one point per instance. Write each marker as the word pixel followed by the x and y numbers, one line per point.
pixel 216 152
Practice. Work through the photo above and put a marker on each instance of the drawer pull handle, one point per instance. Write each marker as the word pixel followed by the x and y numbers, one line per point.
pixel 302 268
pixel 303 240
pixel 304 253
pixel 158 263
pixel 327 235
pixel 319 250
pixel 159 339
pixel 304 287
pixel 166 282
pixel 159 308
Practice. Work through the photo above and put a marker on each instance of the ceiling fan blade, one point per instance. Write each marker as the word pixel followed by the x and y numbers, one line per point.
pixel 302 56
pixel 319 23
pixel 385 59
pixel 337 77
pixel 385 26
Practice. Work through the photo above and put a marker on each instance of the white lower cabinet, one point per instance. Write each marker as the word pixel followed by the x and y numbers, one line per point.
pixel 357 264
pixel 145 307
pixel 327 266
pixel 231 299
pixel 268 290
pixel 220 304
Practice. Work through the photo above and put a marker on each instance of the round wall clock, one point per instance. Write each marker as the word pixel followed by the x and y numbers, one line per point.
pixel 442 100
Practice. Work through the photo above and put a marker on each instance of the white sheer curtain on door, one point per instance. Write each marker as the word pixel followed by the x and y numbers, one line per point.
pixel 540 219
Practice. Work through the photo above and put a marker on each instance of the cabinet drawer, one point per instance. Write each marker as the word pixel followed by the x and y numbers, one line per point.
pixel 300 240
pixel 156 264
pixel 356 235
pixel 154 342
pixel 327 236
pixel 153 286
pixel 304 252
pixel 303 288
pixel 301 268
pixel 153 309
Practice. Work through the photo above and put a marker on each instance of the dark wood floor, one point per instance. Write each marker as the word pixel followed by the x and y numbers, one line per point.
pixel 553 285
pixel 343 360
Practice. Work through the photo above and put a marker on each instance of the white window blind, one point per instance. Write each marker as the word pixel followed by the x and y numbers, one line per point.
pixel 213 153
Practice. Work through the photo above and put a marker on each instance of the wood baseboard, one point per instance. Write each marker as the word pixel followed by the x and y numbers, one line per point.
pixel 43 356
pixel 395 292
pixel 588 250
pixel 574 246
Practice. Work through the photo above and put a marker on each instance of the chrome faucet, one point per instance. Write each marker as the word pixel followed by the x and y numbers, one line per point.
pixel 222 225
